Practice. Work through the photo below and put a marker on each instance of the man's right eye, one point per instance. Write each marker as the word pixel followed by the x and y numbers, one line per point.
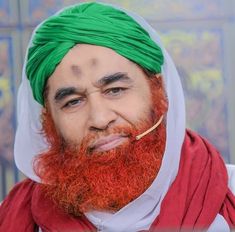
pixel 74 102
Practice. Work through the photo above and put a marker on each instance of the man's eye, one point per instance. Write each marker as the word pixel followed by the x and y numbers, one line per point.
pixel 74 102
pixel 115 91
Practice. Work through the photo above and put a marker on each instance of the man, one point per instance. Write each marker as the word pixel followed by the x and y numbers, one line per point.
pixel 101 134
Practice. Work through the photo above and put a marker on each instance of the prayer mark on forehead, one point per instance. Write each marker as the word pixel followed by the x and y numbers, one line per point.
pixel 77 71
pixel 94 62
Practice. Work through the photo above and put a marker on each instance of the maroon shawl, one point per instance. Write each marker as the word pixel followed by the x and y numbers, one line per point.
pixel 199 192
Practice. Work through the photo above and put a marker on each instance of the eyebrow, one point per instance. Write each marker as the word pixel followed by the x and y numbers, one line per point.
pixel 63 92
pixel 109 79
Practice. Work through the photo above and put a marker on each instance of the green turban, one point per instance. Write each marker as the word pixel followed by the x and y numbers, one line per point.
pixel 88 23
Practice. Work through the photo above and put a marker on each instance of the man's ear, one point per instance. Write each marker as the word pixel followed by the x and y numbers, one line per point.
pixel 44 113
pixel 158 80
pixel 158 75
pixel 44 109
pixel 162 90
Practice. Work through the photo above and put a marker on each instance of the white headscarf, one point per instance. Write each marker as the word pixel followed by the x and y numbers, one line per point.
pixel 139 214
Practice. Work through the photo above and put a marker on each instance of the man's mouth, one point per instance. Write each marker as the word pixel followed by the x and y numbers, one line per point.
pixel 108 143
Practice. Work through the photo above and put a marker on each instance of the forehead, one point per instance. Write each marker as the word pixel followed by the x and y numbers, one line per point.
pixel 92 56
pixel 89 63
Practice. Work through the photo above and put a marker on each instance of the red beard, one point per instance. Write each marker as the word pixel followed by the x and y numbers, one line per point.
pixel 79 181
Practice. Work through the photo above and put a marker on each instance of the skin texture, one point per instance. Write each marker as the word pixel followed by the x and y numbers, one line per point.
pixel 93 106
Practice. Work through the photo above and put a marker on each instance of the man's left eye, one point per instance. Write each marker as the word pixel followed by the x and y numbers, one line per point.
pixel 115 91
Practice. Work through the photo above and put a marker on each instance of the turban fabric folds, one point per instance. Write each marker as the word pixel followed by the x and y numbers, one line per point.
pixel 88 23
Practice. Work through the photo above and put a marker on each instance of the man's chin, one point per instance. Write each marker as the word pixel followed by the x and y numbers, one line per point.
pixel 107 178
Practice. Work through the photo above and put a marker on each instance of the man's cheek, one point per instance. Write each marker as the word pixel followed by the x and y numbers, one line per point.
pixel 70 132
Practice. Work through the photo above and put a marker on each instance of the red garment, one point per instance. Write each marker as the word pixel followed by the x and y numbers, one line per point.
pixel 200 190
pixel 25 208
pixel 197 195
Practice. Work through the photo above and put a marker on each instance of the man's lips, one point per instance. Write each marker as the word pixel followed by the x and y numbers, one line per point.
pixel 108 143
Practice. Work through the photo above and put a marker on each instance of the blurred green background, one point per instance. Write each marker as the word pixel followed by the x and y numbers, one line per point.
pixel 199 34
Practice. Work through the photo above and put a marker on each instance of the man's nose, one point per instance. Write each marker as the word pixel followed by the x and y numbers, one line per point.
pixel 101 115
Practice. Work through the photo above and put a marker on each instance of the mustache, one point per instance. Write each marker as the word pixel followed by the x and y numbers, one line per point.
pixel 89 141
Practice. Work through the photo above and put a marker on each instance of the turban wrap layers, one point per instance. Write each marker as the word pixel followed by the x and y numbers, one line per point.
pixel 88 23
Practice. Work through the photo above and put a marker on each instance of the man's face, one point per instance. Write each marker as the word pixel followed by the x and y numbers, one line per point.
pixel 98 102
pixel 93 89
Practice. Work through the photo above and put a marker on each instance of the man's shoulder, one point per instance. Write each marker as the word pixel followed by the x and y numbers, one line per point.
pixel 192 135
pixel 19 195
pixel 24 184
pixel 23 188
pixel 17 207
